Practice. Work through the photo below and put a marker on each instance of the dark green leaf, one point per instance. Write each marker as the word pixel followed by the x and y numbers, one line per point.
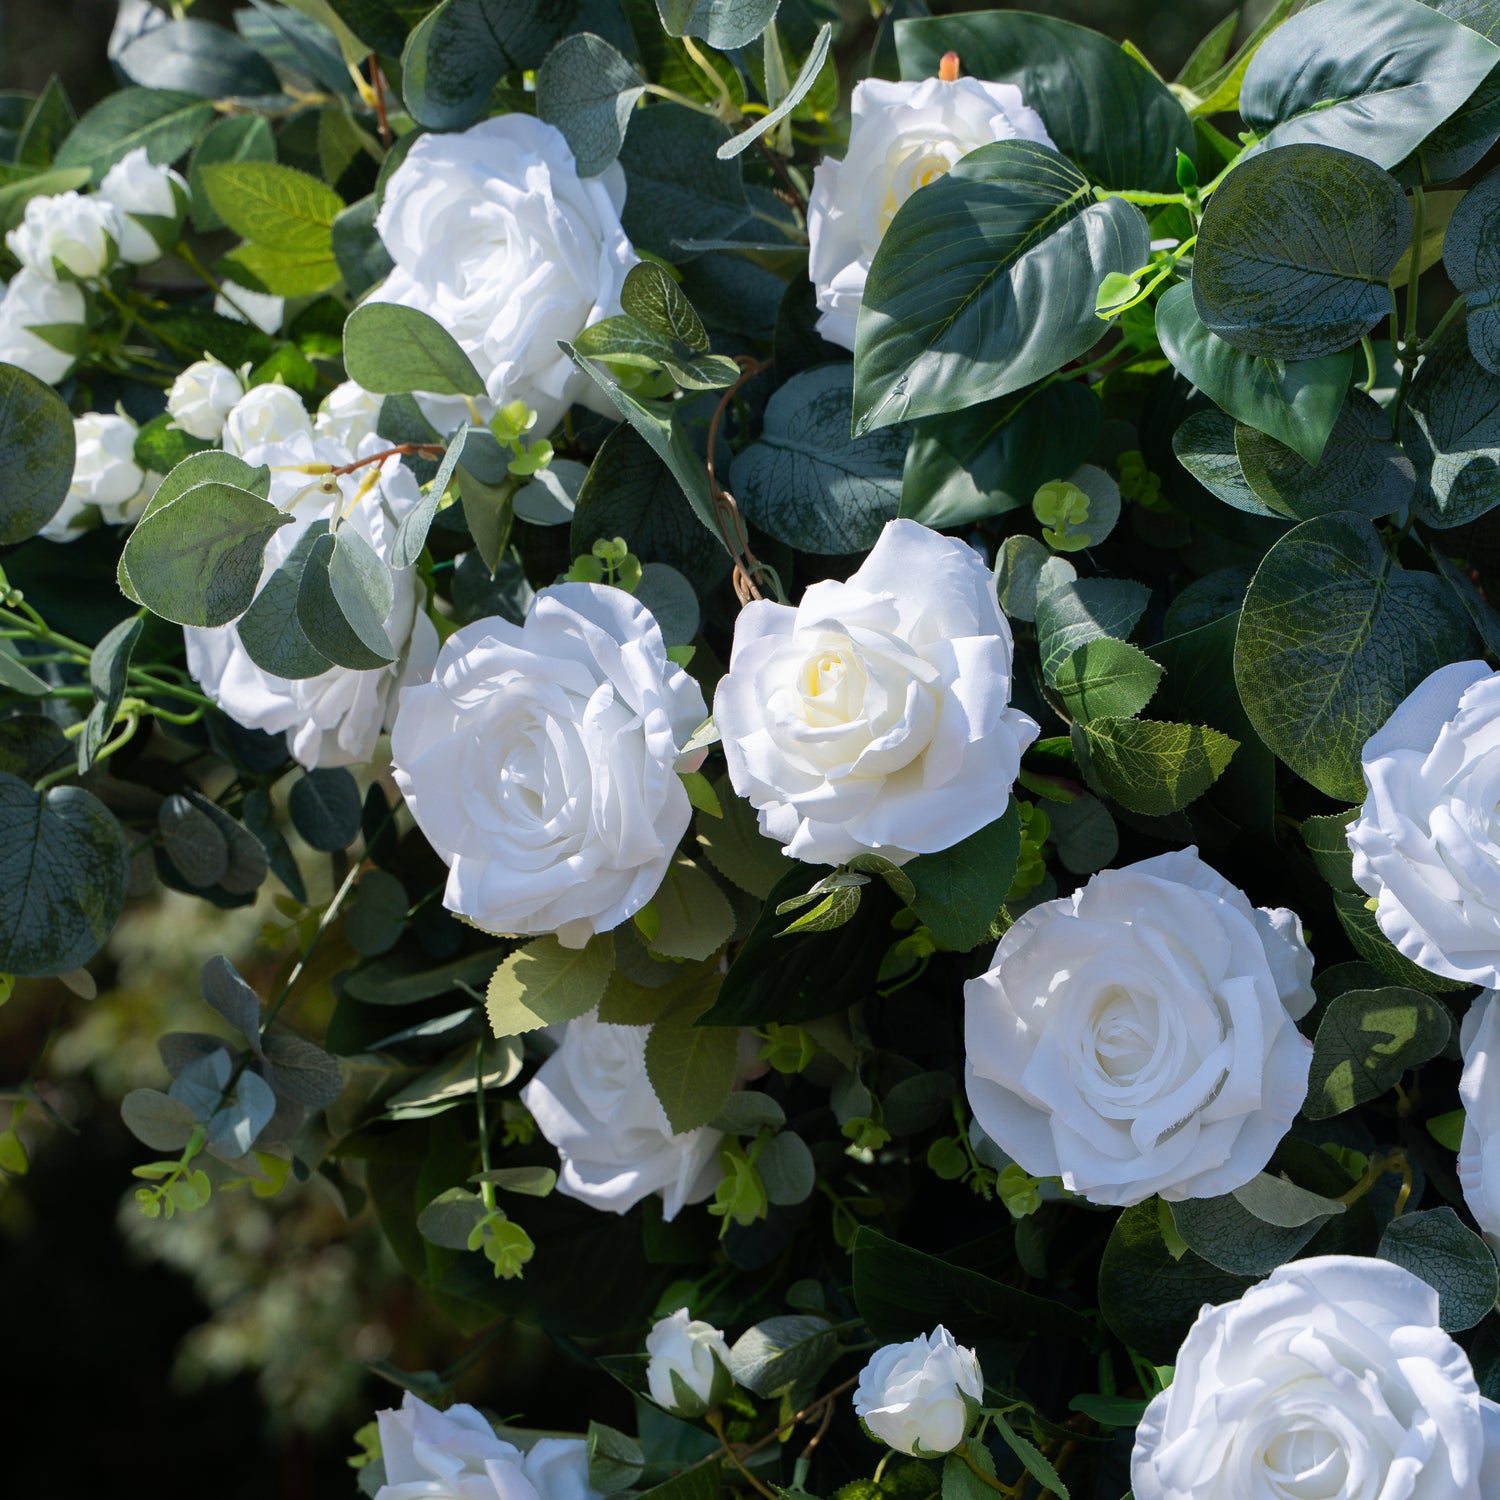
pixel 724 24
pixel 362 258
pixel 588 91
pixel 390 349
pixel 196 58
pixel 108 668
pixel 1086 609
pixel 227 993
pixel 1448 1256
pixel 36 454
pixel 1471 256
pixel 783 1354
pixel 342 600
pixel 1205 446
pixel 679 189
pixel 302 1072
pixel 1232 1233
pixel 1154 768
pixel 1450 426
pixel 325 808
pixel 1366 1040
pixel 960 891
pixel 270 631
pixel 165 121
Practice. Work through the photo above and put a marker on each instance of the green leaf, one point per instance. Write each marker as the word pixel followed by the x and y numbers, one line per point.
pixel 674 605
pixel 325 809
pixel 200 564
pixel 458 52
pixel 1361 468
pixel 1327 840
pixel 63 869
pixel 779 1355
pixel 1471 257
pixel 802 85
pixel 588 90
pixel 994 456
pixel 1086 609
pixel 165 121
pixel 270 631
pixel 1296 402
pixel 806 481
pixel 276 207
pixel 36 454
pixel 723 24
pixel 1083 833
pixel 695 918
pixel 108 668
pixel 1205 445
pixel 985 281
pixel 411 534
pixel 1366 1040
pixel 691 1068
pixel 15 678
pixel 1332 637
pixel 1233 1233
pixel 1032 1458
pixel 531 1182
pixel 1294 251
pixel 1450 426
pixel 283 273
pixel 787 1169
pixel 615 1460
pixel 544 983
pixel 362 258
pixel 1372 945
pixel 1153 768
pixel 1449 1257
pixel 46 127
pixel 1106 679
pixel 451 1217
pixel 1371 76
pixel 960 892
pixel 14 196
pixel 343 598
pixel 390 349
pixel 1106 111
pixel 197 57
pixel 236 138
pixel 902 1293
pixel 653 298
pixel 734 845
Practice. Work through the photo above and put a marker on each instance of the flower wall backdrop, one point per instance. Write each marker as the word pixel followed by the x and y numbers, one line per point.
pixel 849 663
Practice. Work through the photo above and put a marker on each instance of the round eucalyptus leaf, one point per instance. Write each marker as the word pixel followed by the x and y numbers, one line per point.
pixel 198 58
pixel 1450 427
pixel 985 282
pixel 724 24
pixel 1361 468
pixel 588 90
pixel 1471 257
pixel 63 868
pixel 672 602
pixel 36 454
pixel 1294 251
pixel 1205 447
pixel 343 598
pixel 325 808
pixel 1332 637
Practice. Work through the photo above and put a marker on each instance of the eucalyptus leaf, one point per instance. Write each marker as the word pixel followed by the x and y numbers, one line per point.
pixel 36 454
pixel 588 90
pixel 390 349
pixel 1435 1245
pixel 1450 427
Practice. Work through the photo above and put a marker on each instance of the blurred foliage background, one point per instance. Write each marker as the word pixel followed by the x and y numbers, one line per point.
pixel 231 1352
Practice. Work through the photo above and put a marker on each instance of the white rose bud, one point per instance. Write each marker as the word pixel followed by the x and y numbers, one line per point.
pixel 270 415
pixel 495 235
pixel 1427 840
pixel 68 237
pixel 262 309
pixel 457 1455
pixel 875 717
pixel 541 763
pixel 901 136
pixel 688 1372
pixel 349 414
pixel 1138 1036
pixel 920 1398
pixel 152 201
pixel 594 1102
pixel 41 326
pixel 1479 1088
pixel 202 397
pixel 1330 1380
pixel 105 475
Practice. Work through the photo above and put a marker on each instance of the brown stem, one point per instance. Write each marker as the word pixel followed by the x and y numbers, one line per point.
pixel 789 189
pixel 377 84
pixel 427 450
pixel 731 522
pixel 716 1424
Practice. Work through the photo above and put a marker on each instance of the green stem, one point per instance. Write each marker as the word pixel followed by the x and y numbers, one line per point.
pixel 1414 274
pixel 486 1189
pixel 662 92
pixel 324 923
pixel 1371 370
pixel 1455 307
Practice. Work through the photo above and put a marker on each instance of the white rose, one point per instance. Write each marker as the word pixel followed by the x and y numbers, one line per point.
pixel 68 237
pixel 456 1455
pixel 348 414
pixel 37 318
pixel 496 236
pixel 337 717
pixel 876 715
pixel 202 397
pixel 1330 1380
pixel 152 201
pixel 901 136
pixel 541 763
pixel 1479 1088
pixel 688 1371
pixel 1137 1037
pixel 106 476
pixel 920 1397
pixel 266 415
pixel 262 309
pixel 594 1103
pixel 1427 840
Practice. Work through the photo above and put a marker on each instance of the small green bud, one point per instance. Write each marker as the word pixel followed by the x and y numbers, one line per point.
pixel 788 1049
pixel 1187 173
pixel 13 1154
pixel 585 570
pixel 740 1195
pixel 507 1246
pixel 1019 1191
pixel 7 987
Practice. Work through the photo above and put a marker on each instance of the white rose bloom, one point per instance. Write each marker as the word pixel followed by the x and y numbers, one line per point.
pixel 337 717
pixel 875 716
pixel 348 414
pixel 33 303
pixel 1427 840
pixel 68 236
pixel 263 309
pixel 901 136
pixel 541 762
pixel 594 1103
pixel 1479 1150
pixel 1137 1037
pixel 496 236
pixel 1330 1380
pixel 688 1371
pixel 920 1397
pixel 456 1455
pixel 106 476
pixel 267 416
pixel 202 397
pixel 152 201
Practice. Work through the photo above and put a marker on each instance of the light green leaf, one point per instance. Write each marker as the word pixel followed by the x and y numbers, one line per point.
pixel 1106 678
pixel 1154 768
pixel 691 1068
pixel 544 983
pixel 695 918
